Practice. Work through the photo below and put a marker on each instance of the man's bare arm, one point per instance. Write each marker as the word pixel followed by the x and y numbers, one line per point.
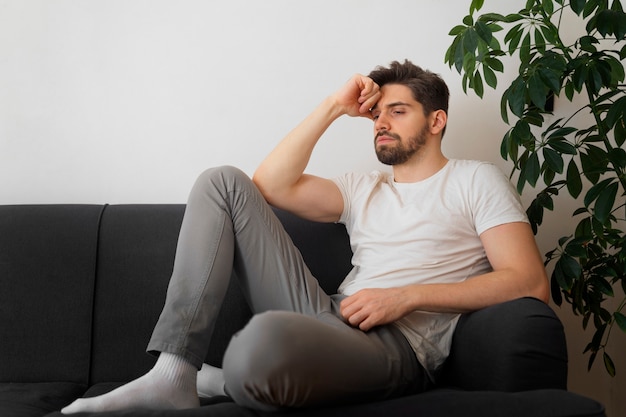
pixel 281 178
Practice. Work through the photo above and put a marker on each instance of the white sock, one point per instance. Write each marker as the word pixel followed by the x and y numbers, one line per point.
pixel 170 385
pixel 210 381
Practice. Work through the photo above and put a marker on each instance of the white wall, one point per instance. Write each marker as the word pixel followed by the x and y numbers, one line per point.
pixel 123 101
pixel 126 101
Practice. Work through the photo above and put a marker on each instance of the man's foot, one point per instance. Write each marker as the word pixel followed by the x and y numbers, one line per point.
pixel 210 381
pixel 170 385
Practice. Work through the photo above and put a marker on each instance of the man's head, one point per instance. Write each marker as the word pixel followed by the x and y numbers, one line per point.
pixel 428 88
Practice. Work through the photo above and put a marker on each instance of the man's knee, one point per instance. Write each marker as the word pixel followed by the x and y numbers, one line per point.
pixel 222 174
pixel 259 359
pixel 220 180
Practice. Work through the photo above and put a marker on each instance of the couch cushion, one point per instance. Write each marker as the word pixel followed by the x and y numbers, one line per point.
pixel 47 269
pixel 36 399
pixel 437 403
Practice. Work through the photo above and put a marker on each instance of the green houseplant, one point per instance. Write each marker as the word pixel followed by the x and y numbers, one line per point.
pixel 570 155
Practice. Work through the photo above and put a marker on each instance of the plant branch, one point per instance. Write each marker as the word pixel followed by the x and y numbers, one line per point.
pixel 604 135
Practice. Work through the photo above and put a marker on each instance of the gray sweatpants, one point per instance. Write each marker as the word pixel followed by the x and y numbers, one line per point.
pixel 297 350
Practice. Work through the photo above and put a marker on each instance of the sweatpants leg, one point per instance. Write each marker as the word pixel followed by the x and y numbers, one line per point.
pixel 285 359
pixel 228 226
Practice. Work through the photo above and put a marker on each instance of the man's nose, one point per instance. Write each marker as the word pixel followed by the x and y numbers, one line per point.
pixel 381 123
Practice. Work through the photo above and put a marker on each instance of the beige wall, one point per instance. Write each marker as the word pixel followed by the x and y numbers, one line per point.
pixel 122 101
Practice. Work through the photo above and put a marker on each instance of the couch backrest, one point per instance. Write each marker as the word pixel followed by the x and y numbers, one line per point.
pixel 81 287
pixel 325 248
pixel 135 257
pixel 47 275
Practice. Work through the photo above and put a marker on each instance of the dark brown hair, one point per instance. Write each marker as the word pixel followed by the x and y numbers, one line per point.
pixel 428 88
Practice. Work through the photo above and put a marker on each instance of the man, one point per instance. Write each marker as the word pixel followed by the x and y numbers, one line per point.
pixel 437 238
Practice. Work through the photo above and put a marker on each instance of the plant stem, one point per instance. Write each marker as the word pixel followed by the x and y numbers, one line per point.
pixel 603 134
pixel 612 322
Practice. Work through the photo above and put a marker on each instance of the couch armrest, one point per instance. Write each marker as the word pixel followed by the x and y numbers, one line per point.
pixel 514 346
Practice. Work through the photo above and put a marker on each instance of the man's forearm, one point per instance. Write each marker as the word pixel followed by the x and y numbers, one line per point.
pixel 284 166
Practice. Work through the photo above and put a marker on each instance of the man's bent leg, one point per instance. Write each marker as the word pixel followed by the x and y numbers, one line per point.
pixel 282 360
pixel 228 225
pixel 226 222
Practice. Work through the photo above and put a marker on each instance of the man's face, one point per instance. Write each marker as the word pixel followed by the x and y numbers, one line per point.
pixel 400 127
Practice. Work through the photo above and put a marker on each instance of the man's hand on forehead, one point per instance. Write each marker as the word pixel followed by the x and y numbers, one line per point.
pixel 358 96
pixel 370 93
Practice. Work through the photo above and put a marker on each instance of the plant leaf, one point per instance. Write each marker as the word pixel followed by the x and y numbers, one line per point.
pixel 478 84
pixel 457 30
pixel 617 71
pixel 574 183
pixel 551 79
pixel 470 41
pixel 494 63
pixel 554 160
pixel 516 97
pixel 616 112
pixel 570 270
pixel 537 91
pixel 583 229
pixel 545 200
pixel 561 132
pixel 505 145
pixel 620 319
pixel 540 43
pixel 576 248
pixel 483 31
pixel 550 33
pixel 562 146
pixel 603 286
pixel 515 40
pixel 605 202
pixel 532 169
pixel 608 364
pixel 492 17
pixel 555 290
pixel 469 63
pixel 504 114
pixel 595 191
pixel 524 52
pixel 548 174
pixel 490 77
pixel 620 131
pixel 592 359
pixel 548 6
pixel 617 156
pixel 476 5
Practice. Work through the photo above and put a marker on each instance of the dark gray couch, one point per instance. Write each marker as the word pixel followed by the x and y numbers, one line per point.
pixel 81 287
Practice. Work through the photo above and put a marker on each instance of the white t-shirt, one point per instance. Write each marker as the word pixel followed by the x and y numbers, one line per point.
pixel 424 232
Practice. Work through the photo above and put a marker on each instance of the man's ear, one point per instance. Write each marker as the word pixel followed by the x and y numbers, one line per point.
pixel 438 120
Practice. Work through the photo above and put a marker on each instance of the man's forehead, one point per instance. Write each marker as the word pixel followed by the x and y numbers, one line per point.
pixel 393 95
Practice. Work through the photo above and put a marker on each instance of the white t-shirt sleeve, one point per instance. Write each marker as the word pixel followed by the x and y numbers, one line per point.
pixel 495 200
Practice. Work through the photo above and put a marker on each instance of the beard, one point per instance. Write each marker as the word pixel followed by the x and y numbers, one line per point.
pixel 400 152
